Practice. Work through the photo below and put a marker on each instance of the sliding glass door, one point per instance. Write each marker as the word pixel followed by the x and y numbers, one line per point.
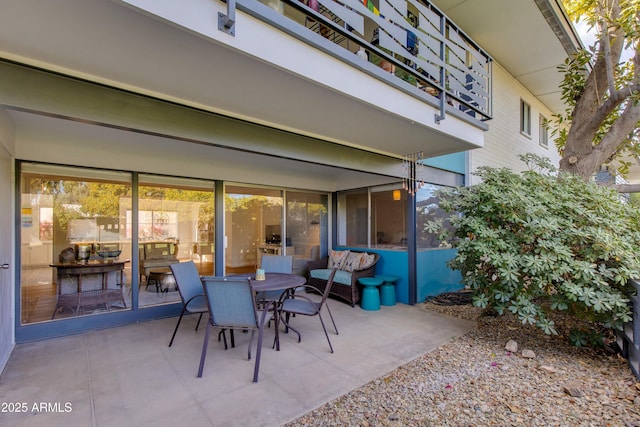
pixel 253 226
pixel 307 221
pixel 175 224
pixel 257 223
pixel 74 247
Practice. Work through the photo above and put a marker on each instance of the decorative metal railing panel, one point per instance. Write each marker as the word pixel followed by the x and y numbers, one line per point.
pixel 411 39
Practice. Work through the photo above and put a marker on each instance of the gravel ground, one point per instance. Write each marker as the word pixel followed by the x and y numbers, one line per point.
pixel 474 381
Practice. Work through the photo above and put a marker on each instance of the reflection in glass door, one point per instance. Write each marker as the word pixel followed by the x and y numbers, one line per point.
pixel 175 224
pixel 307 228
pixel 74 250
pixel 253 226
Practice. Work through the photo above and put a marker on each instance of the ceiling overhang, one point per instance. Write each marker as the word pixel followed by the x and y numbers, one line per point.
pixel 115 45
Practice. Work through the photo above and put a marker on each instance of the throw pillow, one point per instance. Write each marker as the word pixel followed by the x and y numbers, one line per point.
pixel 353 262
pixel 367 260
pixel 337 258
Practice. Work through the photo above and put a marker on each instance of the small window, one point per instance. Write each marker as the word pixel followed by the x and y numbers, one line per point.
pixel 544 132
pixel 525 118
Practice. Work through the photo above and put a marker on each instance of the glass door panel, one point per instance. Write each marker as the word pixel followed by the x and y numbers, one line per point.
pixel 253 226
pixel 353 218
pixel 175 224
pixel 389 217
pixel 74 249
pixel 307 228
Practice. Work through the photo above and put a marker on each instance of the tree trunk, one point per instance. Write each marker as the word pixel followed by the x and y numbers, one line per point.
pixel 585 150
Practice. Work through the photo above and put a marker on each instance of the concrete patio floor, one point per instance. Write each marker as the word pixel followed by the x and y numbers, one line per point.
pixel 128 376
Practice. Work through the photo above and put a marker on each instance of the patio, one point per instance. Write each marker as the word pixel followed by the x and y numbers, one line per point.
pixel 128 375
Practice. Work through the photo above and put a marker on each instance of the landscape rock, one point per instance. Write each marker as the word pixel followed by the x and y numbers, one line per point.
pixel 573 389
pixel 511 346
pixel 512 393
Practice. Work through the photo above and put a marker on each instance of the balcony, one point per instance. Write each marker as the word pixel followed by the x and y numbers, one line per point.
pixel 303 67
pixel 412 41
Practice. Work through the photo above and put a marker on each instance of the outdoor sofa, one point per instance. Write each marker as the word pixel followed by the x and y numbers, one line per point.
pixel 351 266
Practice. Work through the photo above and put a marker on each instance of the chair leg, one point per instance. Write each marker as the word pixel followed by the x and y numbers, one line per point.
pixel 276 338
pixel 253 333
pixel 274 317
pixel 287 327
pixel 325 332
pixel 200 318
pixel 224 337
pixel 256 369
pixel 177 326
pixel 203 355
pixel 331 316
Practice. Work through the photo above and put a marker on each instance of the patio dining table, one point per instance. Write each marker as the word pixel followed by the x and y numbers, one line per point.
pixel 274 282
pixel 277 282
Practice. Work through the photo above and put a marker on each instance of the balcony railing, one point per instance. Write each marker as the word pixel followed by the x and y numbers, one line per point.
pixel 424 52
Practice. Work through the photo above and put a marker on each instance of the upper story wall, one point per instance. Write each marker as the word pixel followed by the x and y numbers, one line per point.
pixel 173 51
pixel 316 82
pixel 504 141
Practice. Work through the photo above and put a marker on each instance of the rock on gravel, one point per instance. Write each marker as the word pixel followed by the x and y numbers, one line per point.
pixel 474 381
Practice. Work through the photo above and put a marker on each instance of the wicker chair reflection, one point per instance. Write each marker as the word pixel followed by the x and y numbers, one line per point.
pixel 299 304
pixel 193 300
pixel 274 264
pixel 231 306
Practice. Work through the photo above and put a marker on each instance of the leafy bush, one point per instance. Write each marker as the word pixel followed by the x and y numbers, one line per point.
pixel 536 241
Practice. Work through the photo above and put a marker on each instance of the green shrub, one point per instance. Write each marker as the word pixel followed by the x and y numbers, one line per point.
pixel 538 241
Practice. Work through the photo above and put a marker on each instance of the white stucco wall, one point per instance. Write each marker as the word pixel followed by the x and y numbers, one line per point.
pixel 503 140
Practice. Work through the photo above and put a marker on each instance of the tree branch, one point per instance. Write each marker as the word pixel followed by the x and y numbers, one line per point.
pixel 616 98
pixel 626 188
pixel 605 37
pixel 592 100
pixel 621 128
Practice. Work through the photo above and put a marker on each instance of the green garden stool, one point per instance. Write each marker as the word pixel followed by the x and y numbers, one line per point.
pixel 370 294
pixel 387 289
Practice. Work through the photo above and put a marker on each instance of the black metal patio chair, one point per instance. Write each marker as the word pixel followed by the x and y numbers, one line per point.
pixel 302 305
pixel 232 305
pixel 193 300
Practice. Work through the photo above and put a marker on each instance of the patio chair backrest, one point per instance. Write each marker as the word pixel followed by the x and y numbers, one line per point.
pixel 277 263
pixel 231 302
pixel 187 279
pixel 327 288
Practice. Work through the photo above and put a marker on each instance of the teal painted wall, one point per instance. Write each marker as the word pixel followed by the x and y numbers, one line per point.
pixel 455 162
pixel 393 263
pixel 433 275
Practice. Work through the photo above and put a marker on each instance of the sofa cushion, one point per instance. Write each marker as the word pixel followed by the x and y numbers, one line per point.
pixel 367 260
pixel 337 259
pixel 342 277
pixel 353 262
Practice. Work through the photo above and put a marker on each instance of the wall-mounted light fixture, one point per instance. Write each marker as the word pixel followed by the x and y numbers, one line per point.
pixel 397 195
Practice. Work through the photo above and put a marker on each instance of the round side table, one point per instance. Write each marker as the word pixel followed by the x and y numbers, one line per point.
pixel 370 294
pixel 388 289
